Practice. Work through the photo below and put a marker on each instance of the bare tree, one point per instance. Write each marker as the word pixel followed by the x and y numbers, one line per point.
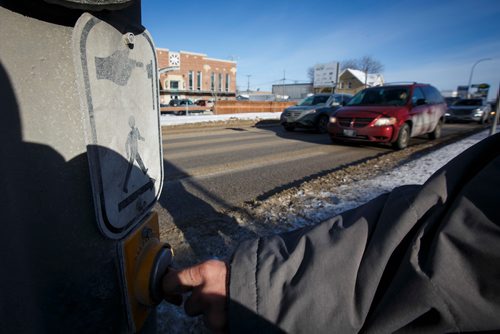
pixel 310 73
pixel 369 65
pixel 349 63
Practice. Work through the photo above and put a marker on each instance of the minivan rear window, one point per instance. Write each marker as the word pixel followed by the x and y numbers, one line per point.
pixel 432 95
pixel 383 96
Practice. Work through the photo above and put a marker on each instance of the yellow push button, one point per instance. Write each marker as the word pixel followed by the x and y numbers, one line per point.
pixel 145 261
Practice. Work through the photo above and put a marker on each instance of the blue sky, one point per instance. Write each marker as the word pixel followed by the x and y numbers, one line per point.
pixel 427 41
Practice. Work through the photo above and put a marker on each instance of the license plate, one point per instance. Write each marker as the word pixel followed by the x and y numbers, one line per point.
pixel 349 133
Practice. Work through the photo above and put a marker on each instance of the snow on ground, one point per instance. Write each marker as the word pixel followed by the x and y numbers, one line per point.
pixel 311 206
pixel 166 120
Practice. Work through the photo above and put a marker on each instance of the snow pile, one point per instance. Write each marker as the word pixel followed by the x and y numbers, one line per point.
pixel 166 120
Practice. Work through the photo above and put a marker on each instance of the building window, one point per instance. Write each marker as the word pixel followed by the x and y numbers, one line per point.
pixel 174 85
pixel 227 82
pixel 220 82
pixel 212 81
pixel 349 84
pixel 198 80
pixel 341 85
pixel 190 80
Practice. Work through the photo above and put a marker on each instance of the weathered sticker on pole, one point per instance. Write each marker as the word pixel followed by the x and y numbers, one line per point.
pixel 118 82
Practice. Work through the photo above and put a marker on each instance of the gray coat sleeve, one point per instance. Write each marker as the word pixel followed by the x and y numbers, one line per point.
pixel 421 258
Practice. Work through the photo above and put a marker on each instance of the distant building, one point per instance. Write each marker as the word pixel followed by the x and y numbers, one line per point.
pixel 449 93
pixel 352 81
pixel 255 96
pixel 194 76
pixel 462 91
pixel 294 91
pixel 474 91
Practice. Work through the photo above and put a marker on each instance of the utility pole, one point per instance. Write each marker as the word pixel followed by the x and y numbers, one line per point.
pixel 494 122
pixel 284 78
pixel 336 77
pixel 248 82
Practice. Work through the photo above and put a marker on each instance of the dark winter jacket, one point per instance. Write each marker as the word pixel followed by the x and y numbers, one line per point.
pixel 418 259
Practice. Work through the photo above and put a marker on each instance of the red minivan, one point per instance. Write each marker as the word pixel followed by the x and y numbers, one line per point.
pixel 390 114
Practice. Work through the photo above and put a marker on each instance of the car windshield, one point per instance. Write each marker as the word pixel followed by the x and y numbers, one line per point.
pixel 337 99
pixel 383 96
pixel 469 102
pixel 313 100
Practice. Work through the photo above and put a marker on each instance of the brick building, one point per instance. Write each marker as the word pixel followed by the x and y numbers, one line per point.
pixel 194 76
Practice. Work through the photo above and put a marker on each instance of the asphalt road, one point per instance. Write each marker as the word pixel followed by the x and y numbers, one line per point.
pixel 209 170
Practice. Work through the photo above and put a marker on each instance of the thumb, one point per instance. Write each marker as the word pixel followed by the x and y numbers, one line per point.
pixel 180 281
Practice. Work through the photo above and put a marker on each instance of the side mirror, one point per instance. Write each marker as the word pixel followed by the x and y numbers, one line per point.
pixel 420 102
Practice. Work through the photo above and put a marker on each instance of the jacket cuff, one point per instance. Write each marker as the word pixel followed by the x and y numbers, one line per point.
pixel 243 299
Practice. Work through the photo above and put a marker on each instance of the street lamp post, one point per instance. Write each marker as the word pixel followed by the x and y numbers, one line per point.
pixel 471 72
pixel 497 112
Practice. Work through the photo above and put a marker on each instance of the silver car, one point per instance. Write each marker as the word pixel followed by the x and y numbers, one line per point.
pixel 313 112
pixel 470 110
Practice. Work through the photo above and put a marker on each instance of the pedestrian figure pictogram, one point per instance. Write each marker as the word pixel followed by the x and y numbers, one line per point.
pixel 132 149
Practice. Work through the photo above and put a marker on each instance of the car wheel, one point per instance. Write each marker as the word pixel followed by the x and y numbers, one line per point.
pixel 403 137
pixel 289 127
pixel 482 121
pixel 322 125
pixel 436 134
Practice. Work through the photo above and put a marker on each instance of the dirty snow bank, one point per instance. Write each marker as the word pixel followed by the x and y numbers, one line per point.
pixel 167 120
pixel 311 205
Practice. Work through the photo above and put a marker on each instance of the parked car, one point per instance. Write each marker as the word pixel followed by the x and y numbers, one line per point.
pixel 313 112
pixel 205 103
pixel 180 102
pixel 470 110
pixel 390 114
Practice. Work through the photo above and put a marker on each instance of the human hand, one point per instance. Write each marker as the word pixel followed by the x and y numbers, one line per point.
pixel 207 283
